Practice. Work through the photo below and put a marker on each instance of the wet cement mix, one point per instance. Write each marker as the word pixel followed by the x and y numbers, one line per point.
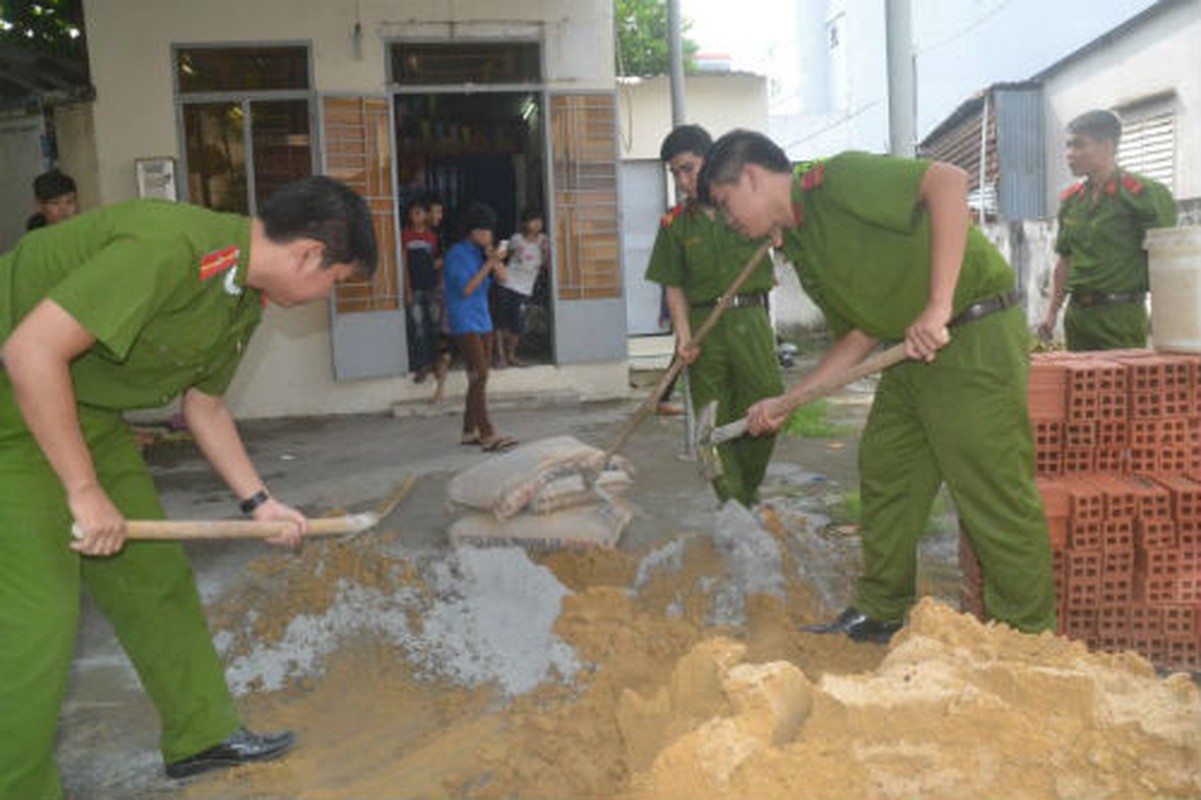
pixel 676 672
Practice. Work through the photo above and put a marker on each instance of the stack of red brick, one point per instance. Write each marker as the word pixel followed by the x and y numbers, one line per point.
pixel 1118 457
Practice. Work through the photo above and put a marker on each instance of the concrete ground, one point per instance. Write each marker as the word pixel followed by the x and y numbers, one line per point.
pixel 109 730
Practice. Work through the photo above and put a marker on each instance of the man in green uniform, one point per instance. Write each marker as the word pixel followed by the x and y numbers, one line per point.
pixel 1103 220
pixel 885 248
pixel 696 257
pixel 120 308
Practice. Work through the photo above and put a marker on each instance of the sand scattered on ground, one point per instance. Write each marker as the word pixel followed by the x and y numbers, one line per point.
pixel 677 672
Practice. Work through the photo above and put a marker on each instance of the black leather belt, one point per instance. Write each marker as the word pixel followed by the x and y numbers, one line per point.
pixel 748 300
pixel 1106 298
pixel 985 307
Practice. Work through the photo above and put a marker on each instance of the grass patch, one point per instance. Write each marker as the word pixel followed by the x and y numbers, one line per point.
pixel 849 509
pixel 812 421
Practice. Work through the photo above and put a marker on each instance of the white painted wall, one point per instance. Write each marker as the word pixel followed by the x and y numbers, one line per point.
pixel 1162 54
pixel 287 369
pixel 841 96
pixel 718 102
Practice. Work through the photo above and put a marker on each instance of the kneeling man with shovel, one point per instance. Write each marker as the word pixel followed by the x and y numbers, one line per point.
pixel 127 307
pixel 885 248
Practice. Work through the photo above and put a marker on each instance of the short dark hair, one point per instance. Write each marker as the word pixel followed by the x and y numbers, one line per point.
pixel 416 202
pixel 531 213
pixel 52 184
pixel 328 211
pixel 685 139
pixel 478 216
pixel 735 150
pixel 1098 124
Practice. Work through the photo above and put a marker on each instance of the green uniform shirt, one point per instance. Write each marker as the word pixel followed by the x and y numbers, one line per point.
pixel 862 245
pixel 1102 230
pixel 161 287
pixel 697 252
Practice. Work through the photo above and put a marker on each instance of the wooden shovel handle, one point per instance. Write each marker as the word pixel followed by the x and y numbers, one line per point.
pixel 174 529
pixel 677 366
pixel 878 362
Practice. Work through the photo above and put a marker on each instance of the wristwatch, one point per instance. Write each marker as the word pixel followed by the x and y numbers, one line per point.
pixel 248 505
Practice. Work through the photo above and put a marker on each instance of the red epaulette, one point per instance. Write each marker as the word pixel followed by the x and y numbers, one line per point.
pixel 670 216
pixel 1074 189
pixel 1132 184
pixel 813 177
pixel 218 261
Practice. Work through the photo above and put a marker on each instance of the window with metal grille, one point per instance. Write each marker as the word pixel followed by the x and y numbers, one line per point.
pixel 584 136
pixel 1148 147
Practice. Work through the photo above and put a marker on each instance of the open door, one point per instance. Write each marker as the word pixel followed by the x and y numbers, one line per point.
pixel 367 318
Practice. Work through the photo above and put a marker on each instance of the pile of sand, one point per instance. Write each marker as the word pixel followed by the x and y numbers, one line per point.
pixel 651 681
pixel 955 710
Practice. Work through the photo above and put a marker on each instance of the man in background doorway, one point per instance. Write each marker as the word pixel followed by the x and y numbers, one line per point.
pixel 1103 219
pixel 56 199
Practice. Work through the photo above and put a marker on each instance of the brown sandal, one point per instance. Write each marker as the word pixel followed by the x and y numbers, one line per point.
pixel 498 444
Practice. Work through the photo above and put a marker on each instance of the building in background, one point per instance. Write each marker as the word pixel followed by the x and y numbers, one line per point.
pixel 830 90
pixel 1011 137
pixel 218 103
pixel 716 99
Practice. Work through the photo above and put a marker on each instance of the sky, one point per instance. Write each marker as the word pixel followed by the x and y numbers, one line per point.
pixel 962 45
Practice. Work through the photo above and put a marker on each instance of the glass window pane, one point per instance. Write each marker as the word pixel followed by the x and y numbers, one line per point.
pixel 216 156
pixel 282 152
pixel 235 69
pixel 510 62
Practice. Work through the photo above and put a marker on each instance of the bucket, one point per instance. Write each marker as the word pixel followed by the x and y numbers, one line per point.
pixel 1174 266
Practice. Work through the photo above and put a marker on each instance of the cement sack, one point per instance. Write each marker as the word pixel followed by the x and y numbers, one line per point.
pixel 505 484
pixel 598 525
pixel 572 490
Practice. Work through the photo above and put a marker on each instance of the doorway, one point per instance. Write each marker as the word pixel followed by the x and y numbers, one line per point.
pixel 486 147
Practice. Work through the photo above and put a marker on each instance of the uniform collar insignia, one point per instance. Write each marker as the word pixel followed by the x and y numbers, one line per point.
pixel 231 283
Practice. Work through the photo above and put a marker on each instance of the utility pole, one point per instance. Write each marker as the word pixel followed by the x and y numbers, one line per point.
pixel 902 85
pixel 675 54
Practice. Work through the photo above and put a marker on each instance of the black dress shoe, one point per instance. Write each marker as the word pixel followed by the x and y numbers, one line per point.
pixel 857 627
pixel 242 747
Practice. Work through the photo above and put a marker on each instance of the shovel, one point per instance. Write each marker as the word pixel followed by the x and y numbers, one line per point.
pixel 708 436
pixel 178 530
pixel 677 364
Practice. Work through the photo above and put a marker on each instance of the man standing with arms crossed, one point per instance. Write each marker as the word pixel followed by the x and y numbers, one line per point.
pixel 885 248
pixel 120 308
pixel 1103 220
pixel 696 257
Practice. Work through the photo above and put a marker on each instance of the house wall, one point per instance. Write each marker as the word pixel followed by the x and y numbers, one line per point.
pixel 287 370
pixel 1160 55
pixel 718 102
pixel 834 100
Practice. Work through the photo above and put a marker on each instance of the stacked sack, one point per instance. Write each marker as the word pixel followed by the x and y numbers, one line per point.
pixel 556 492
pixel 1118 462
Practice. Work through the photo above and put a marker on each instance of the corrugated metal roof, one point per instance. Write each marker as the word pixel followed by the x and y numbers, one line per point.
pixel 31 78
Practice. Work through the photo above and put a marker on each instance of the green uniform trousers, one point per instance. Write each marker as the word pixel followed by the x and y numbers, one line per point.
pixel 960 419
pixel 147 591
pixel 1112 326
pixel 737 368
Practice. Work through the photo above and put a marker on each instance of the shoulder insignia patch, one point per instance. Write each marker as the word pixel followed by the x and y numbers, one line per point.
pixel 1131 183
pixel 1074 189
pixel 218 261
pixel 670 216
pixel 813 177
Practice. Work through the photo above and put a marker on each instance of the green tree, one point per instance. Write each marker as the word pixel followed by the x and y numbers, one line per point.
pixel 642 38
pixel 53 27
